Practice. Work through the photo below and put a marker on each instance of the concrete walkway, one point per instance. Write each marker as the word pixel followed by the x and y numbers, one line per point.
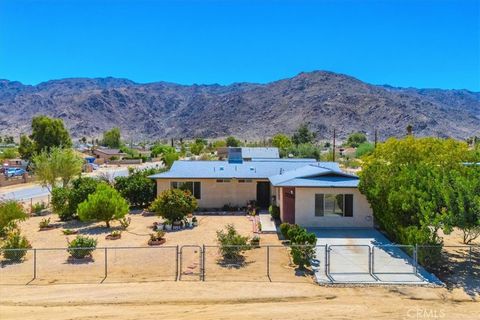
pixel 268 224
pixel 365 256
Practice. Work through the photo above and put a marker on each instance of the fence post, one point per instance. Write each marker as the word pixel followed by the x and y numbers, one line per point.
pixel 373 259
pixel 327 260
pixel 370 263
pixel 31 205
pixel 177 253
pixel 203 263
pixel 34 263
pixel 106 264
pixel 415 257
pixel 268 263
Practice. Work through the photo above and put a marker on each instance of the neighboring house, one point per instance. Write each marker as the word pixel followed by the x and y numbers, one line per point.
pixel 309 193
pixel 108 154
pixel 249 154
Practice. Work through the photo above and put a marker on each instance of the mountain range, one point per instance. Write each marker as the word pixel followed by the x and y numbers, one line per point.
pixel 324 100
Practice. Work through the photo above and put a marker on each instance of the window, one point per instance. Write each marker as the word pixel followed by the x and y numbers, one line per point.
pixel 193 186
pixel 334 205
pixel 223 180
pixel 244 180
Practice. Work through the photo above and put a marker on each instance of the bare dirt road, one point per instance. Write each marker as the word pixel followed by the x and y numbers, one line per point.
pixel 232 300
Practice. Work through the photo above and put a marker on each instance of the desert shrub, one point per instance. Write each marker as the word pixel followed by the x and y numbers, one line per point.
pixel 44 223
pixel 303 246
pixel 232 244
pixel 174 204
pixel 38 207
pixel 15 240
pixel 11 212
pixel 81 246
pixel 105 204
pixel 289 230
pixel 125 223
pixel 274 211
pixel 60 203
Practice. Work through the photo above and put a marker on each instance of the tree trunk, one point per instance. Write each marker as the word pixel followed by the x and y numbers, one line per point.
pixel 108 223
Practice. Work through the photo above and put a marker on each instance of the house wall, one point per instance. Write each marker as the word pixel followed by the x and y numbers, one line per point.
pixel 305 209
pixel 216 195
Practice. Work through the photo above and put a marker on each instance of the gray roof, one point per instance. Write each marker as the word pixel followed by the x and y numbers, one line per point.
pixel 268 153
pixel 315 175
pixel 185 169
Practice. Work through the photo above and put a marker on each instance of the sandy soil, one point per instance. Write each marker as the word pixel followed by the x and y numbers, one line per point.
pixel 231 300
pixel 144 263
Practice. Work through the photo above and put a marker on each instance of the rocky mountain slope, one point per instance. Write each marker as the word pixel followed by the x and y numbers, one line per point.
pixel 251 111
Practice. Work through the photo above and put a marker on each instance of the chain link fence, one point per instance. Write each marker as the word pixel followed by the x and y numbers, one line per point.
pixel 454 265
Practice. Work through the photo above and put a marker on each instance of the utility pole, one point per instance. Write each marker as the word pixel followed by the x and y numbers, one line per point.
pixel 334 136
pixel 376 137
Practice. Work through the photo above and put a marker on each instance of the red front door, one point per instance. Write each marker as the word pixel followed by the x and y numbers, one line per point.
pixel 288 205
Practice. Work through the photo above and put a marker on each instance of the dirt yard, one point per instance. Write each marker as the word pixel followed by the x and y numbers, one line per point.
pixel 231 300
pixel 143 263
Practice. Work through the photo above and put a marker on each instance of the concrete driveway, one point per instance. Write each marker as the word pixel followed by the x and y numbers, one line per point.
pixel 365 256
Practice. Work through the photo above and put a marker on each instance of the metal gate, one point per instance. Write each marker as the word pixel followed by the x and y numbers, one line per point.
pixel 191 263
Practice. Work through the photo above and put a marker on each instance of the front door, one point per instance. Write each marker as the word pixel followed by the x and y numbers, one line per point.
pixel 263 194
pixel 288 205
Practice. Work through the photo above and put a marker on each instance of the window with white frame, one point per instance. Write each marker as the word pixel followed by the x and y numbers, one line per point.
pixel 333 205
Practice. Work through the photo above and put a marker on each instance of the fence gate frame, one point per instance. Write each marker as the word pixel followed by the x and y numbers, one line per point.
pixel 200 260
pixel 412 259
pixel 328 257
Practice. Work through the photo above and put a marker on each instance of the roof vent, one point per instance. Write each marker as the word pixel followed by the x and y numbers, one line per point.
pixel 222 168
pixel 252 169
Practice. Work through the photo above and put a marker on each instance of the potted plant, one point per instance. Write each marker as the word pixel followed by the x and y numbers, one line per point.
pixel 177 224
pixel 114 235
pixel 194 221
pixel 157 238
pixel 255 241
pixel 168 225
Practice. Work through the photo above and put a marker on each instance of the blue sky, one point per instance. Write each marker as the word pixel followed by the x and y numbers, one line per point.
pixel 403 43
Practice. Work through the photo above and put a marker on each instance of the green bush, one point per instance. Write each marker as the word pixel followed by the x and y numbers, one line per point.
pixel 105 204
pixel 302 243
pixel 11 212
pixel 13 241
pixel 137 188
pixel 232 244
pixel 274 211
pixel 81 189
pixel 174 204
pixel 284 227
pixel 60 203
pixel 38 207
pixel 364 149
pixel 81 246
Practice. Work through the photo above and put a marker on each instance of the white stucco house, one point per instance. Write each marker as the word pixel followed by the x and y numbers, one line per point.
pixel 309 193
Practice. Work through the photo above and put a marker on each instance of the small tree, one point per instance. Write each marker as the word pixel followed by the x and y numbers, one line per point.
pixel 26 149
pixel 233 142
pixel 60 203
pixel 174 204
pixel 281 141
pixel 111 138
pixel 356 139
pixel 137 188
pixel 81 246
pixel 197 148
pixel 303 135
pixel 11 212
pixel 170 157
pixel 105 204
pixel 303 246
pixel 59 163
pixel 48 133
pixel 232 244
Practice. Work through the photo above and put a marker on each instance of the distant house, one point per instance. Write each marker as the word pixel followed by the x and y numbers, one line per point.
pixel 109 154
pixel 249 153
pixel 309 193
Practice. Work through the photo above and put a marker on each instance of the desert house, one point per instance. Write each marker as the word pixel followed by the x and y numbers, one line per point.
pixel 247 153
pixel 309 193
pixel 109 154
